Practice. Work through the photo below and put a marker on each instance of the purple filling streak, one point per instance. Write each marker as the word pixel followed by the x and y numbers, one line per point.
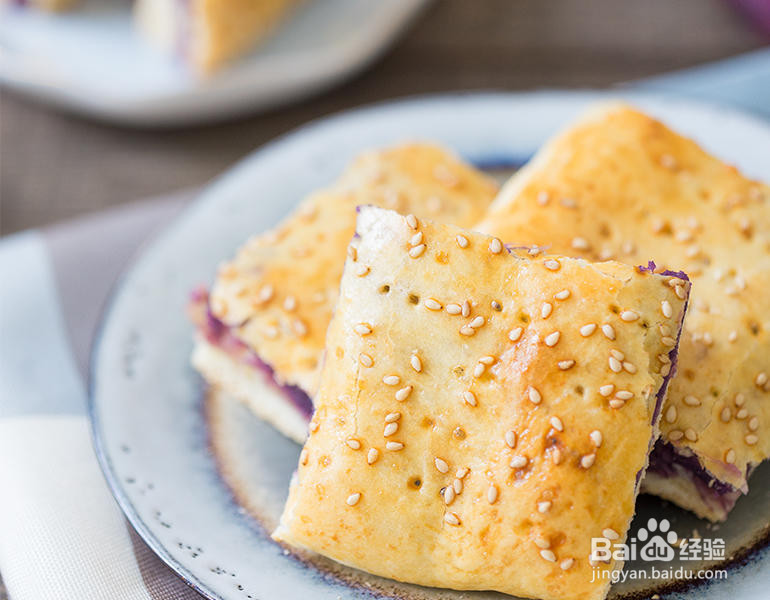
pixel 673 356
pixel 665 458
pixel 222 336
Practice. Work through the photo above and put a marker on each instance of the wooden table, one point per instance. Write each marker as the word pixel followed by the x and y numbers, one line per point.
pixel 54 166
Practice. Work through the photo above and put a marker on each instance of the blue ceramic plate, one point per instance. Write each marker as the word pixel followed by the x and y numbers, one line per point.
pixel 203 481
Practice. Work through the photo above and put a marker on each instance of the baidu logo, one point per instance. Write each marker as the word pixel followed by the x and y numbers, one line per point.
pixel 661 541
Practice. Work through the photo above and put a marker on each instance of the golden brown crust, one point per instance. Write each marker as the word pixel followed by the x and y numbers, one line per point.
pixel 551 454
pixel 224 30
pixel 281 288
pixel 620 184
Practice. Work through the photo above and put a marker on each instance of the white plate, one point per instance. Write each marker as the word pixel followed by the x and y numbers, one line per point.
pixel 91 60
pixel 208 514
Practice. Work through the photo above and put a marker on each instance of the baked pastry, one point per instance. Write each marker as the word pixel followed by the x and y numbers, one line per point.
pixel 261 336
pixel 209 33
pixel 482 414
pixel 619 184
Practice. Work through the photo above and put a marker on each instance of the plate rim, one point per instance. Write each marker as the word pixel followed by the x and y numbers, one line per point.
pixel 210 190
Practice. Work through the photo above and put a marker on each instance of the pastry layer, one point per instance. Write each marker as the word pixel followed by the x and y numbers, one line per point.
pixel 619 184
pixel 482 414
pixel 279 291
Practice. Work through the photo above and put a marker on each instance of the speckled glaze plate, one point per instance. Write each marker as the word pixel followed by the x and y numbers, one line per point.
pixel 203 482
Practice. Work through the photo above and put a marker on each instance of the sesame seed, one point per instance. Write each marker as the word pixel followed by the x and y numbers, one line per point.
pixel 441 465
pixel 361 270
pixel 568 203
pixel 417 251
pixel 726 414
pixel 457 484
pixel 588 329
pixel 365 360
pixel 469 398
pixel 742 414
pixel 588 460
pixel 272 332
pixel 462 241
pixel 733 335
pixel 353 499
pixel 629 315
pixel 534 251
pixel 566 564
pixel 462 472
pixel 556 454
pixel 761 379
pixel 510 439
pixel 615 365
pixel 617 403
pixel 411 220
pixel 299 327
pixel 454 309
pixel 546 310
pixel 392 417
pixel 544 506
pixel 313 426
pixel 416 363
pixel 552 264
pixel 730 456
pixel 362 329
pixel 675 435
pixel 519 462
pixel 671 414
pixel 390 429
pixel 543 197
pixel 664 358
pixel 668 341
pixel 739 399
pixel 753 424
pixel 492 494
pixel 579 243
pixel 596 438
pixel 610 534
pixel 533 395
pixel 608 331
pixel 416 239
pixel 667 161
pixel 692 401
pixel 479 369
pixel 266 293
pixel 542 542
pixel 552 339
pixel 680 293
pixel 617 354
pixel 564 365
pixel 665 370
pixel 487 360
pixel 432 304
pixel 557 424
pixel 394 446
pixel 496 305
pixel 353 252
pixel 466 309
pixel 372 456
pixel 562 295
pixel 548 555
pixel 353 443
pixel 629 367
pixel 477 322
pixel 304 456
pixel 515 334
pixel 391 380
pixel 451 519
pixel 495 246
pixel 606 390
pixel 449 495
pixel 751 439
pixel 467 330
pixel 403 393
pixel 290 304
pixel 624 395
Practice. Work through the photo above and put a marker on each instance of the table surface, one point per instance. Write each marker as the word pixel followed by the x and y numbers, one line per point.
pixel 54 166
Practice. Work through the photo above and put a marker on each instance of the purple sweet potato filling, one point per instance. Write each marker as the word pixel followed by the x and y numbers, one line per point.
pixel 222 336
